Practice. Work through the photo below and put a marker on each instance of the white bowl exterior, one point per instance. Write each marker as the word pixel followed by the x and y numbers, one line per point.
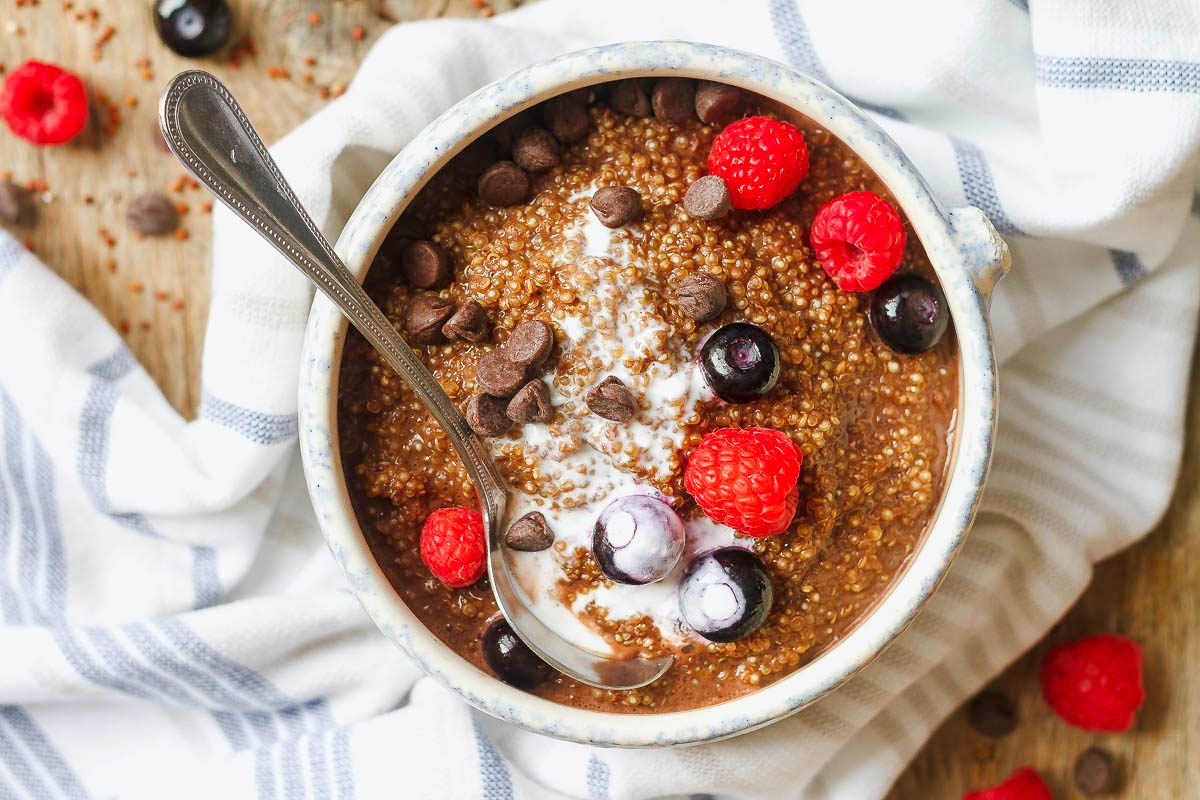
pixel 398 184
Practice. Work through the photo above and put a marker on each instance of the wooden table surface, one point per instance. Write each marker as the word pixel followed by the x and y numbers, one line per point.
pixel 1151 591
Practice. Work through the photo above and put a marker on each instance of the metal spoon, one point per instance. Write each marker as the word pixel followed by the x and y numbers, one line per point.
pixel 209 133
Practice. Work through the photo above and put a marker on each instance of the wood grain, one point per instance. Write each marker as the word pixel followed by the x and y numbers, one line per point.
pixel 1151 591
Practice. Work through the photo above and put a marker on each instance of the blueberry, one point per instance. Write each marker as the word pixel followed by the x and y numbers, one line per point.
pixel 193 27
pixel 510 658
pixel 909 313
pixel 740 362
pixel 637 539
pixel 725 594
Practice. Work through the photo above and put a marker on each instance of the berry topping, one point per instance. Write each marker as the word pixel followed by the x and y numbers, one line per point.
pixel 859 240
pixel 725 594
pixel 746 478
pixel 43 103
pixel 762 161
pixel 1094 683
pixel 193 27
pixel 740 362
pixel 510 658
pixel 637 539
pixel 1023 784
pixel 909 313
pixel 453 546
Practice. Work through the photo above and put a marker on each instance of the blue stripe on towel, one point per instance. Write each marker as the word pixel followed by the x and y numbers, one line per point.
pixel 47 757
pixel 979 186
pixel 1129 267
pixel 255 426
pixel 792 33
pixel 94 437
pixel 494 779
pixel 598 776
pixel 1141 75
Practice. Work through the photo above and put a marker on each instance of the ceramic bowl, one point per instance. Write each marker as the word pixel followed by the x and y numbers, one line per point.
pixel 967 254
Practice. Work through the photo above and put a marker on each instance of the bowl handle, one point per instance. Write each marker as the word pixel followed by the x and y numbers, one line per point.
pixel 984 254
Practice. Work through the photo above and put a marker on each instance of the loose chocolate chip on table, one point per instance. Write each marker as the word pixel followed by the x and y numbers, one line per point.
pixel 535 150
pixel 426 265
pixel 497 376
pixel 531 404
pixel 16 204
pixel 503 184
pixel 530 533
pixel 151 215
pixel 628 97
pixel 469 324
pixel 567 117
pixel 485 414
pixel 992 713
pixel 616 205
pixel 674 100
pixel 530 343
pixel 424 317
pixel 701 296
pixel 1095 772
pixel 612 400
pixel 717 102
pixel 707 199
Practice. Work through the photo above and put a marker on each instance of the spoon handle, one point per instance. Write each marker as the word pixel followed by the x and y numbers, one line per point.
pixel 208 131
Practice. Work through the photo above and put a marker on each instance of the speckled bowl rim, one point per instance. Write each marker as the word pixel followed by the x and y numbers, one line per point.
pixel 953 241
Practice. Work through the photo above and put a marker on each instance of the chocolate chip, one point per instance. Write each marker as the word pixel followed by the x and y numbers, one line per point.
pixel 485 414
pixel 426 265
pixel 628 97
pixel 567 117
pixel 707 199
pixel 424 317
pixel 151 215
pixel 16 204
pixel 718 102
pixel 701 296
pixel 535 150
pixel 1095 771
pixel 612 400
pixel 674 100
pixel 530 533
pixel 530 343
pixel 531 404
pixel 469 324
pixel 498 376
pixel 992 713
pixel 616 205
pixel 503 184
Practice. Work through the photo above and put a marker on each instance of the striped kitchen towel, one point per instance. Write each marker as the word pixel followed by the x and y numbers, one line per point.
pixel 172 624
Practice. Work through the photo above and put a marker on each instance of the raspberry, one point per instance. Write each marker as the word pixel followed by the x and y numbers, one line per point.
pixel 746 478
pixel 1094 683
pixel 859 240
pixel 1022 784
pixel 453 546
pixel 761 160
pixel 43 103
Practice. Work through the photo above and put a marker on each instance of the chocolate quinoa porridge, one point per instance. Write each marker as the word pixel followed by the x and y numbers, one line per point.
pixel 606 285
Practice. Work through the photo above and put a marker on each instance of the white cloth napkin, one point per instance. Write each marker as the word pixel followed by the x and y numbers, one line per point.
pixel 173 626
